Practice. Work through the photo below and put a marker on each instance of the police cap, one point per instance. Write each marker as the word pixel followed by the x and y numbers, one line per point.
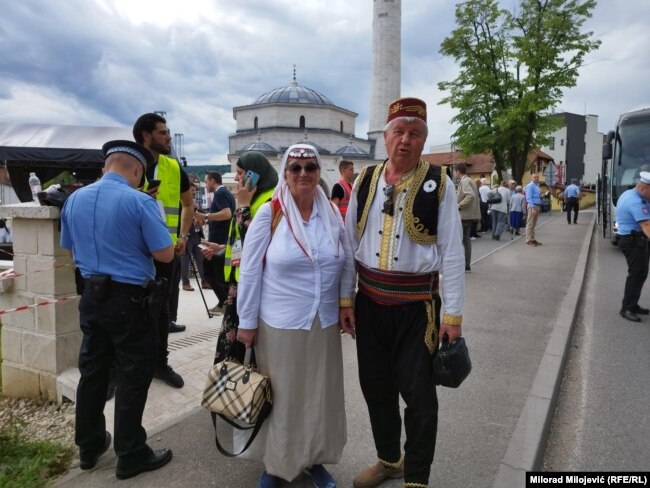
pixel 644 177
pixel 138 151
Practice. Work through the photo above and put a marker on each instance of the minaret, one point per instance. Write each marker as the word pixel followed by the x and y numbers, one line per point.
pixel 386 68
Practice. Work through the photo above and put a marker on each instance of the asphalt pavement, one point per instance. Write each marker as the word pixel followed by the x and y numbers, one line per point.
pixel 520 307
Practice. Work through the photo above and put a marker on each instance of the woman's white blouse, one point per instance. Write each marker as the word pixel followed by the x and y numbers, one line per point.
pixel 280 284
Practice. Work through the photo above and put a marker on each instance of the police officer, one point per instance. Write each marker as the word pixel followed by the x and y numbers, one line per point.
pixel 113 231
pixel 572 201
pixel 633 216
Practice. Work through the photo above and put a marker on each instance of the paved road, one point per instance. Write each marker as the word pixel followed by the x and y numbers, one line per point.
pixel 515 297
pixel 602 421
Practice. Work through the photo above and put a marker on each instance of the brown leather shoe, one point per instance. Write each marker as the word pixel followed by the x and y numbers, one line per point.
pixel 531 243
pixel 188 288
pixel 206 286
pixel 537 243
pixel 376 474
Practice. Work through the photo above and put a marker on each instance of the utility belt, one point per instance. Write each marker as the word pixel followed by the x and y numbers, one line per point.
pixel 151 292
pixel 638 238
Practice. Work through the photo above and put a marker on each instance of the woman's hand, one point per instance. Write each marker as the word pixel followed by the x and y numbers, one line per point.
pixel 244 194
pixel 347 321
pixel 248 337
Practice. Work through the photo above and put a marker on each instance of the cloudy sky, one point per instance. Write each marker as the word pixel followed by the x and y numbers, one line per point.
pixel 105 62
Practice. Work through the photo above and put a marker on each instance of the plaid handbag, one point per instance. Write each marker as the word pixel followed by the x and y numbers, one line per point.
pixel 237 392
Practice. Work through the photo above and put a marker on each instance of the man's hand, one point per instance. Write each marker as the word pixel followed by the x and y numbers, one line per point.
pixel 181 243
pixel 452 332
pixel 212 248
pixel 248 337
pixel 347 321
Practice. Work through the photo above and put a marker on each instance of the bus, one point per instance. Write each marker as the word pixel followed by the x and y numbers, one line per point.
pixel 626 152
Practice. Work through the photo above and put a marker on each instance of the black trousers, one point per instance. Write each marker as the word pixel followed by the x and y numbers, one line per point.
pixel 572 203
pixel 115 331
pixel 213 270
pixel 636 253
pixel 174 290
pixel 394 360
pixel 170 271
pixel 467 242
pixel 486 222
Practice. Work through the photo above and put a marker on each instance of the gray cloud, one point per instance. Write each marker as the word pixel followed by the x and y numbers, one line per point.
pixel 84 62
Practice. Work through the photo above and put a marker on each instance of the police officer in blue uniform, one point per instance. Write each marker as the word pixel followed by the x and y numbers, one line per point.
pixel 633 217
pixel 113 231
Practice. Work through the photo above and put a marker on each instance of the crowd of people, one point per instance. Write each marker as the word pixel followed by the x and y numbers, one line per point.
pixel 292 268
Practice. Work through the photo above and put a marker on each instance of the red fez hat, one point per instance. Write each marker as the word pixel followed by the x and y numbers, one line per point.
pixel 407 107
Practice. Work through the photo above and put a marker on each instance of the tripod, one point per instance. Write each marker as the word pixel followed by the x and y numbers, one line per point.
pixel 198 282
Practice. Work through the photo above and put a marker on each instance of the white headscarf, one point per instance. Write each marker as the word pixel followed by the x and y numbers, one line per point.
pixel 329 214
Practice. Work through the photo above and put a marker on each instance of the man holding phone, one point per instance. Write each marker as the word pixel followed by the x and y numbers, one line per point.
pixel 218 218
pixel 173 192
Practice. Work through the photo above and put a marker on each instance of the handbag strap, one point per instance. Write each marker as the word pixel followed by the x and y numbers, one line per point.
pixel 264 412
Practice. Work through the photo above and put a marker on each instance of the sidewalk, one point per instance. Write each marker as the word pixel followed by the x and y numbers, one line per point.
pixel 518 316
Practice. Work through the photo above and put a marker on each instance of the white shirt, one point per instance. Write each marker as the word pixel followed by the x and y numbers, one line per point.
pixel 286 289
pixel 483 191
pixel 400 253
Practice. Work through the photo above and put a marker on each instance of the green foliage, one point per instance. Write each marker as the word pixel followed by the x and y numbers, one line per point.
pixel 513 70
pixel 30 463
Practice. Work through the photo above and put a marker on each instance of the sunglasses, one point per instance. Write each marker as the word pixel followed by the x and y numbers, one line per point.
pixel 389 208
pixel 296 168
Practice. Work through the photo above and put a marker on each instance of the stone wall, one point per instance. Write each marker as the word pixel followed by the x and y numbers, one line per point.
pixel 41 342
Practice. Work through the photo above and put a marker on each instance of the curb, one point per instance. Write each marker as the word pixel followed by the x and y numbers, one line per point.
pixel 525 450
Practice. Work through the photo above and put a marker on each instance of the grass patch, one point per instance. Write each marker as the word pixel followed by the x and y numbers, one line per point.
pixel 25 463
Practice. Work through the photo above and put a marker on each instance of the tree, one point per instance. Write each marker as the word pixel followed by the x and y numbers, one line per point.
pixel 513 70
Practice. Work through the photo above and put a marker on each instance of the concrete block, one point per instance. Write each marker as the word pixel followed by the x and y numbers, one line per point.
pixel 20 383
pixel 64 277
pixel 67 351
pixel 23 319
pixel 47 385
pixel 39 351
pixel 58 318
pixel 47 237
pixel 20 267
pixel 25 236
pixel 40 275
pixel 6 285
pixel 12 345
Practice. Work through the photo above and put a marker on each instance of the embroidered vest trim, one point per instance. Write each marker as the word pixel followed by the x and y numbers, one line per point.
pixel 422 201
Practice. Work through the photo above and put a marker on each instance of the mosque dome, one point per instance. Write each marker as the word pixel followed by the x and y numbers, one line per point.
pixel 294 93
pixel 259 146
pixel 352 151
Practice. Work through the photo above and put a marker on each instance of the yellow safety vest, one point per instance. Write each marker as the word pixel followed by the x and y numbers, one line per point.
pixel 169 192
pixel 233 233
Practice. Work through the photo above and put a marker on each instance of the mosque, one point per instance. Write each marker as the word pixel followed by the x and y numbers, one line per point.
pixel 294 113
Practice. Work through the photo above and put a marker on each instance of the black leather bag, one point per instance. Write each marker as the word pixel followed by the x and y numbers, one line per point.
pixel 452 364
pixel 496 198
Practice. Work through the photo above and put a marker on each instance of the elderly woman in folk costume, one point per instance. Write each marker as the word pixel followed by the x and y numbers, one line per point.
pixel 249 200
pixel 289 286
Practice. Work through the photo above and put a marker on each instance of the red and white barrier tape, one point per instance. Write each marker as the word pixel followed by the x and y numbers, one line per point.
pixel 39 304
pixel 10 273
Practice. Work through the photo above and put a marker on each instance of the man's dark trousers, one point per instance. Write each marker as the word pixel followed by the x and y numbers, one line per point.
pixel 213 270
pixel 572 203
pixel 174 290
pixel 394 360
pixel 168 271
pixel 635 249
pixel 115 331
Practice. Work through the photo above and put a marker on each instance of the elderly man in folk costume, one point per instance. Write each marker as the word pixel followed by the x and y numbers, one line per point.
pixel 404 227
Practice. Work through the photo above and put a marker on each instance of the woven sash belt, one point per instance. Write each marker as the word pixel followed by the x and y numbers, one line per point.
pixel 396 287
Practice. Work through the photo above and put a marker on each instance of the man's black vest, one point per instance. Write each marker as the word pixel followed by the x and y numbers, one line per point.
pixel 422 200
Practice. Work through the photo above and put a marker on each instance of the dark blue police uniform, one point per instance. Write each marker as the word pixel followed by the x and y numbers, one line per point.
pixel 112 230
pixel 632 208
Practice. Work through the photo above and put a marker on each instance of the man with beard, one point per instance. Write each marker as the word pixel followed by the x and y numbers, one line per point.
pixel 151 131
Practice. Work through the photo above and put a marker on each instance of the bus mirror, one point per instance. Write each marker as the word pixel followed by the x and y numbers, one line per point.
pixel 607 150
pixel 610 136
